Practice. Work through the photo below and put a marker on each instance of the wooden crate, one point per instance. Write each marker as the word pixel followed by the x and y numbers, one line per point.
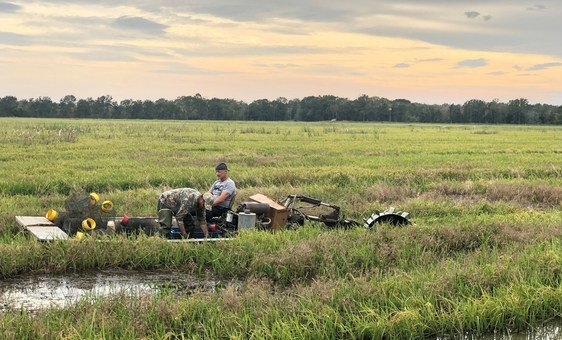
pixel 277 212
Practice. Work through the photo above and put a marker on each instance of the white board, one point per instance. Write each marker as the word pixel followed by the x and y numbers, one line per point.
pixel 41 228
pixel 30 221
pixel 48 233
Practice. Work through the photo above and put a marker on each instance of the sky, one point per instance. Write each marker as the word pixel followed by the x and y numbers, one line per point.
pixel 428 51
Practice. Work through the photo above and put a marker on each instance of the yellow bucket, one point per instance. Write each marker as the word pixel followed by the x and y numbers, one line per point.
pixel 94 198
pixel 51 215
pixel 107 206
pixel 89 224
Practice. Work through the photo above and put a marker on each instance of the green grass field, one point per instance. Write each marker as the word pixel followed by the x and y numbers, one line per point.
pixel 484 252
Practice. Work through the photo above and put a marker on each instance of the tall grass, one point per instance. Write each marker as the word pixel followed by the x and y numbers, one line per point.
pixel 483 253
pixel 475 292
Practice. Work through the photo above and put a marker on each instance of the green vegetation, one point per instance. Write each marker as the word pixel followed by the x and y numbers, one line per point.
pixel 485 251
pixel 308 109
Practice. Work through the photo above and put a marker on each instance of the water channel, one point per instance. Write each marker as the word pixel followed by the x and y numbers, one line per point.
pixel 41 291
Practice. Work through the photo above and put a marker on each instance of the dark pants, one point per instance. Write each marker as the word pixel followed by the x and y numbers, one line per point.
pixel 188 222
pixel 217 211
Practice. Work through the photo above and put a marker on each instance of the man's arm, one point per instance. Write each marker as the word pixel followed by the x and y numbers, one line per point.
pixel 183 211
pixel 204 229
pixel 228 190
pixel 222 197
pixel 183 232
pixel 201 218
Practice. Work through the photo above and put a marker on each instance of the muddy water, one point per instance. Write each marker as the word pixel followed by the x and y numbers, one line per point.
pixel 550 330
pixel 41 291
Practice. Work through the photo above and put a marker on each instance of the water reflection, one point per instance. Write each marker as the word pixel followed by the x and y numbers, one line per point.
pixel 551 330
pixel 41 291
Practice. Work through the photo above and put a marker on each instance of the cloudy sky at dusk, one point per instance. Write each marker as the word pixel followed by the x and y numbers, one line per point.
pixel 430 51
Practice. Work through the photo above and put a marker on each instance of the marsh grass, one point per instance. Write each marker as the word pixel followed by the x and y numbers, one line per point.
pixel 474 292
pixel 484 251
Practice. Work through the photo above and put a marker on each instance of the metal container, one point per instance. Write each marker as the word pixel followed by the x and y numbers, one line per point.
pixel 246 220
pixel 229 217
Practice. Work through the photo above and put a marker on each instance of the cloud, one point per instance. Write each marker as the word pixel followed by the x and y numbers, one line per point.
pixel 106 53
pixel 544 66
pixel 472 63
pixel 139 24
pixel 496 73
pixel 536 7
pixel 8 7
pixel 10 38
pixel 184 69
pixel 102 55
pixel 278 65
pixel 332 70
pixel 259 10
pixel 401 65
pixel 511 29
pixel 517 67
pixel 471 14
pixel 288 30
pixel 226 50
pixel 474 15
pixel 430 60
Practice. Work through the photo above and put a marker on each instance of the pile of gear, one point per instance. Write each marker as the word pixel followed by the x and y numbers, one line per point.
pixel 84 214
pixel 263 213
pixel 87 214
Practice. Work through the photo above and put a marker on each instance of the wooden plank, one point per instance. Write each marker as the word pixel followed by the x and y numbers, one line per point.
pixel 41 228
pixel 264 199
pixel 30 221
pixel 45 233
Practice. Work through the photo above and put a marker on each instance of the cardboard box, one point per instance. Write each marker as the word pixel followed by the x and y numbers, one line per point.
pixel 277 212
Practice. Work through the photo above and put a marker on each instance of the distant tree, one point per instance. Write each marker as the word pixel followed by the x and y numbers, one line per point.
pixel 400 109
pixel 311 108
pixel 67 106
pixel 281 109
pixel 84 108
pixel 148 110
pixel 474 111
pixel 104 106
pixel 192 107
pixel 455 112
pixel 165 109
pixel 8 106
pixel 42 107
pixel 260 109
pixel 515 111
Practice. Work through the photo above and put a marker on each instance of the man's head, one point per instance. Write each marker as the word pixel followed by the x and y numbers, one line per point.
pixel 221 170
pixel 209 200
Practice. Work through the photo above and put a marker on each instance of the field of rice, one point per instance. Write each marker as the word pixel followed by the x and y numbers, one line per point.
pixel 484 251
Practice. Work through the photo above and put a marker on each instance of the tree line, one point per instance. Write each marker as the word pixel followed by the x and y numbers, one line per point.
pixel 312 108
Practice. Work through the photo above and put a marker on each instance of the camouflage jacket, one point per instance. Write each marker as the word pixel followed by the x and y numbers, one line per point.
pixel 183 202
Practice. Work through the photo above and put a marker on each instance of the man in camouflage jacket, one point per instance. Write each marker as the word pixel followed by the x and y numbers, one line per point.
pixel 185 204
